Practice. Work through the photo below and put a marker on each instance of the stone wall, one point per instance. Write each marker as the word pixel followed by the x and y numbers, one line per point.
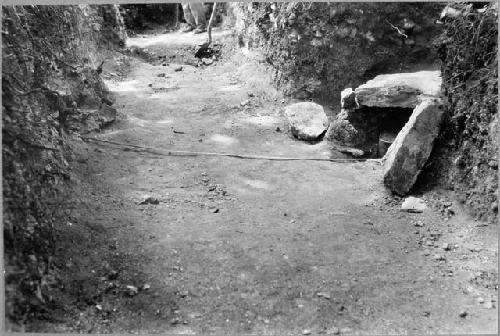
pixel 318 49
pixel 50 61
pixel 466 154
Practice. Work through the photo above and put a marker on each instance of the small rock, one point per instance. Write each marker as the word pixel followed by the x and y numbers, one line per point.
pixel 195 315
pixel 278 129
pixel 178 68
pixel 426 313
pixel 413 205
pixel 348 99
pixel 150 84
pixel 419 224
pixel 439 257
pixel 162 74
pixel 98 307
pixel 207 61
pixel 324 295
pixel 333 331
pixel 489 305
pixel 150 200
pixel 132 290
pixel 463 314
pixel 113 275
pixel 306 332
pixel 146 287
pixel 183 293
pixel 245 102
pixel 480 300
pixel 446 246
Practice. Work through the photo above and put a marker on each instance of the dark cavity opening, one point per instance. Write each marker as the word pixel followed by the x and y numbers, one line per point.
pixel 382 124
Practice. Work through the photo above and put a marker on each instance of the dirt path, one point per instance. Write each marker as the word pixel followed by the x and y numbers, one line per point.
pixel 255 246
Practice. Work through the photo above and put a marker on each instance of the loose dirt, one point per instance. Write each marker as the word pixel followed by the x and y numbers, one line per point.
pixel 252 246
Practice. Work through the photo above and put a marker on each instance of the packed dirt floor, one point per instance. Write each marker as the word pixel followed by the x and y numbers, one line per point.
pixel 252 246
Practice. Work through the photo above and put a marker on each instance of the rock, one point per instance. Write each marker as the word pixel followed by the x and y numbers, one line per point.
pixel 162 74
pixel 178 68
pixel 113 275
pixel 404 90
pixel 480 300
pixel 146 287
pixel 348 99
pixel 348 150
pixel 306 332
pixel 307 120
pixel 419 224
pixel 207 61
pixel 342 131
pixel 446 246
pixel 150 200
pixel 132 290
pixel 333 331
pixel 107 114
pixel 245 102
pixel 324 295
pixel 438 257
pixel 463 314
pixel 489 305
pixel 407 155
pixel 413 204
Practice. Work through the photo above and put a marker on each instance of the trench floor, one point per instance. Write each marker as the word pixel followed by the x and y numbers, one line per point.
pixel 256 246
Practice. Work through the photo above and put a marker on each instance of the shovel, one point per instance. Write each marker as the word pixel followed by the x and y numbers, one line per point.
pixel 204 47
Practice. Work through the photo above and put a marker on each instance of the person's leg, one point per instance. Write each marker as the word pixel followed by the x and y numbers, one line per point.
pixel 190 20
pixel 198 11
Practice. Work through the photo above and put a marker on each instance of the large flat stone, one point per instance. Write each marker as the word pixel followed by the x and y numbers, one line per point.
pixel 410 150
pixel 404 90
pixel 308 121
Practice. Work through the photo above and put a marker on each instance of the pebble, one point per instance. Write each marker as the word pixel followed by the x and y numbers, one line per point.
pixel 419 224
pixel 333 331
pixel 489 305
pixel 207 61
pixel 306 332
pixel 446 246
pixel 132 290
pixel 324 295
pixel 463 314
pixel 150 200
pixel 413 205
pixel 439 257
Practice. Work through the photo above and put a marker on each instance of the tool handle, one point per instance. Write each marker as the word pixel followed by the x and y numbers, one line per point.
pixel 210 23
